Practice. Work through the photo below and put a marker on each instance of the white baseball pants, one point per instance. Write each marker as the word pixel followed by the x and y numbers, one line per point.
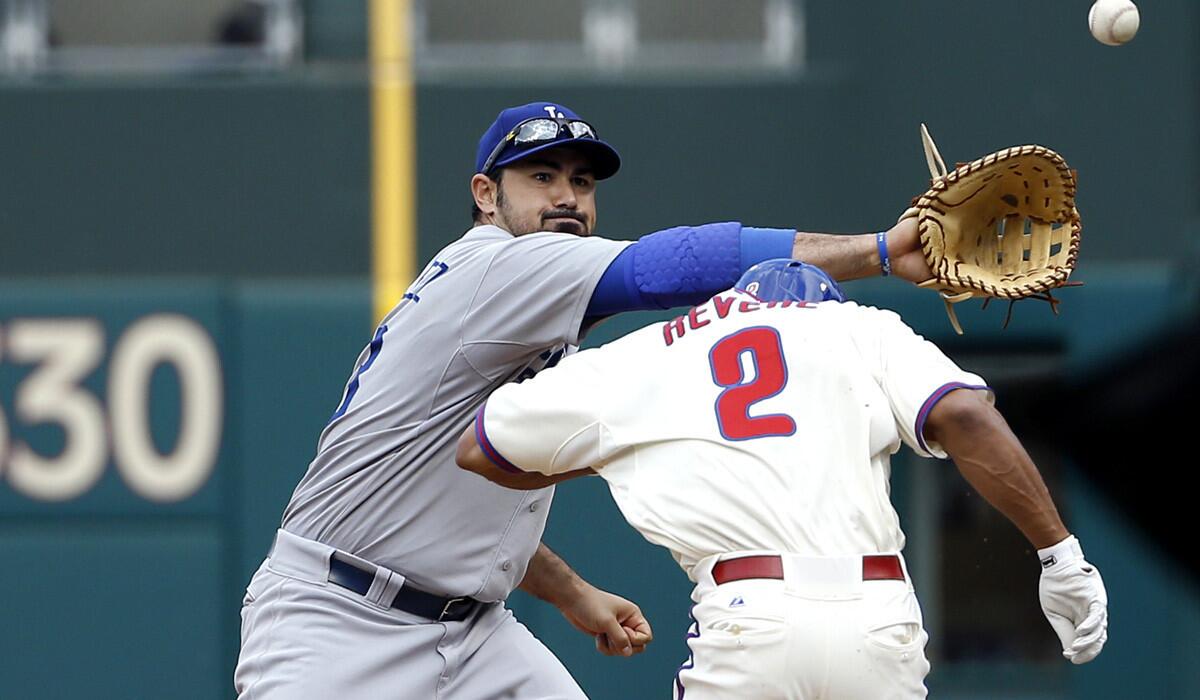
pixel 820 633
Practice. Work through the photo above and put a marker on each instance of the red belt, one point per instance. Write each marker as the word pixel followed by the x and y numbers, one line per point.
pixel 875 567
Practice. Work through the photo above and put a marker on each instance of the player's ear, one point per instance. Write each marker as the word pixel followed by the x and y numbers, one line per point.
pixel 485 190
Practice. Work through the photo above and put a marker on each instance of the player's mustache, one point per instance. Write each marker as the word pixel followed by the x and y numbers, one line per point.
pixel 565 214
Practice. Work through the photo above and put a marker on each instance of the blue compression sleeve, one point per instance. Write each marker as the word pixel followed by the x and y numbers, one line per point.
pixel 760 244
pixel 683 266
pixel 612 294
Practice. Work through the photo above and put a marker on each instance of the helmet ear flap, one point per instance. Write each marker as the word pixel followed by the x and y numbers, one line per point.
pixel 784 279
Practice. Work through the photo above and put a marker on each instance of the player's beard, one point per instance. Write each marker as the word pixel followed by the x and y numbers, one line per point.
pixel 565 220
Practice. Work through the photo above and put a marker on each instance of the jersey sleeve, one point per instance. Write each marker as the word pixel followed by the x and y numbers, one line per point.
pixel 534 294
pixel 551 423
pixel 915 374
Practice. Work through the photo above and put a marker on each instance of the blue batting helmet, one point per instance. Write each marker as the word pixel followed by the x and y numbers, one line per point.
pixel 784 279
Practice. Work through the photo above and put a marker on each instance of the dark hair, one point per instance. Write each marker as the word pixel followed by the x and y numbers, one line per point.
pixel 476 212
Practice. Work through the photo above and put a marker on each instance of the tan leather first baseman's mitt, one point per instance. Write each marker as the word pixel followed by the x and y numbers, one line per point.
pixel 1004 226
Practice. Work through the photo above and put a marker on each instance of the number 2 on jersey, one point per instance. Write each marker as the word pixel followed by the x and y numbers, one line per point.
pixel 765 350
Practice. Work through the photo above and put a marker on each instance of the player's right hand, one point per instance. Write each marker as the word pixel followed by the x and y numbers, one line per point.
pixel 1074 600
pixel 617 625
pixel 638 639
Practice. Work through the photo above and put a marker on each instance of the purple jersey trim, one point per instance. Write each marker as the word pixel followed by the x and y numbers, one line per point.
pixel 930 402
pixel 489 450
pixel 691 659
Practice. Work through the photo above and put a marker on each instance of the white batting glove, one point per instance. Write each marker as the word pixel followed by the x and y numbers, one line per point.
pixel 1074 600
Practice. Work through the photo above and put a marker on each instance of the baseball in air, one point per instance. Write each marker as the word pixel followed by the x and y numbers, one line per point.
pixel 1113 22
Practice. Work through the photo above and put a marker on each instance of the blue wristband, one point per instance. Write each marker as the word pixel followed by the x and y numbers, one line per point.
pixel 885 265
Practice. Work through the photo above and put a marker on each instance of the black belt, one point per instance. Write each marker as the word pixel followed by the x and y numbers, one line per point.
pixel 349 576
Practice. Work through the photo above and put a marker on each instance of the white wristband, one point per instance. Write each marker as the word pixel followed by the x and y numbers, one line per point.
pixel 1067 550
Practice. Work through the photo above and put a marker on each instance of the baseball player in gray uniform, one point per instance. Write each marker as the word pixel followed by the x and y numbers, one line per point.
pixel 388 575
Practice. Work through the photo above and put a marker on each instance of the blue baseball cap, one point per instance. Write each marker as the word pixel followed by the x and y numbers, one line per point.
pixel 605 160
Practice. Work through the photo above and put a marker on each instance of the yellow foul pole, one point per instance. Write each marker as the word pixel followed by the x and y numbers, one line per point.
pixel 393 153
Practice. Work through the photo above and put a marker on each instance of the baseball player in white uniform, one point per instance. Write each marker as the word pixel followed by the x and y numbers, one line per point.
pixel 388 574
pixel 751 438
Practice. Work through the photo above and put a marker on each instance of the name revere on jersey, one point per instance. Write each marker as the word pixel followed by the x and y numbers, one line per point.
pixel 785 410
pixel 721 305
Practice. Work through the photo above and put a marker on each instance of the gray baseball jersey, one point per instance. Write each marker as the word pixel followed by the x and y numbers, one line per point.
pixel 489 309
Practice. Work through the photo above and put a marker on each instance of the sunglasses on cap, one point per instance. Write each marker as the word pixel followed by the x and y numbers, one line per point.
pixel 539 130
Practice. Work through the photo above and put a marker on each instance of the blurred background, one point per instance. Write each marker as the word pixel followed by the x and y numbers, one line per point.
pixel 203 204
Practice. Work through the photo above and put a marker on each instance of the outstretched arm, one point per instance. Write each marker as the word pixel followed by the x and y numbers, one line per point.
pixel 990 457
pixel 993 461
pixel 617 624
pixel 857 256
pixel 686 265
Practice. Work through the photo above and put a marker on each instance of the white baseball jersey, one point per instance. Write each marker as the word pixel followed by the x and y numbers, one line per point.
pixel 742 425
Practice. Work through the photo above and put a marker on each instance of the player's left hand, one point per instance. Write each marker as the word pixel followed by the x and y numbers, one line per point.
pixel 1074 600
pixel 617 624
pixel 904 250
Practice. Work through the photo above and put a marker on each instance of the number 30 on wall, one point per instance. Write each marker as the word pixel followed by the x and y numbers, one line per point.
pixel 63 353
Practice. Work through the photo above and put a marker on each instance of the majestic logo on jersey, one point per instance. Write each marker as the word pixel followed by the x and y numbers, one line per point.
pixel 737 602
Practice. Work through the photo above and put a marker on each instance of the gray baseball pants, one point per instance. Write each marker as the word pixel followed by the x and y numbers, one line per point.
pixel 304 637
